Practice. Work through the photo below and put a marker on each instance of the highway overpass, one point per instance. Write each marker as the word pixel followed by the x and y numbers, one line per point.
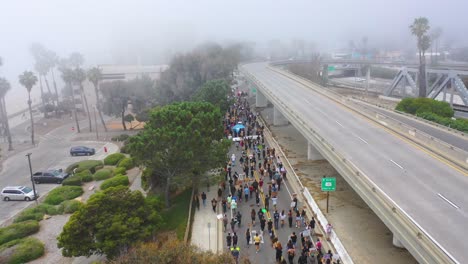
pixel 419 196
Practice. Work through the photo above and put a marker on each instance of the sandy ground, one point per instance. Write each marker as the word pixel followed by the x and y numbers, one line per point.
pixel 363 234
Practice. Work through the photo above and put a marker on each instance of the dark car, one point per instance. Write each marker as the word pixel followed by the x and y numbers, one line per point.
pixel 50 176
pixel 80 150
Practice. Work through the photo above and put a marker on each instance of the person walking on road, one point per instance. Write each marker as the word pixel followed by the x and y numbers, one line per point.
pixel 213 204
pixel 203 197
pixel 257 242
pixel 262 224
pixel 312 225
pixel 270 226
pixel 290 218
pixel 298 219
pixel 197 201
pixel 282 218
pixel 267 202
pixel 278 251
pixel 252 216
pixel 238 218
pixel 293 238
pixel 246 192
pixel 235 251
pixel 233 159
pixel 225 222
pixel 228 240
pixel 329 228
pixel 291 254
pixel 276 217
pixel 234 239
pixel 247 237
pixel 233 224
pixel 234 205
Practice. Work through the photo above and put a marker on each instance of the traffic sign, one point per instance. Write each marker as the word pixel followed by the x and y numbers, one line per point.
pixel 328 184
pixel 331 68
pixel 254 90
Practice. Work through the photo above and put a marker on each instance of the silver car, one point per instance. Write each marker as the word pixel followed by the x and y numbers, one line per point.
pixel 22 193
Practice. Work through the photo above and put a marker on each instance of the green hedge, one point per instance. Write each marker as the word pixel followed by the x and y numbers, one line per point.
pixel 70 206
pixel 417 106
pixel 72 181
pixel 21 250
pixel 126 163
pixel 62 193
pixel 113 159
pixel 102 174
pixel 115 181
pixel 120 170
pixel 37 212
pixel 91 165
pixel 18 230
pixel 121 137
pixel 458 124
pixel 85 176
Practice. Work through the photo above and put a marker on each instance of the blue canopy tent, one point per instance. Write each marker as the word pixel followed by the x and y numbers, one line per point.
pixel 237 128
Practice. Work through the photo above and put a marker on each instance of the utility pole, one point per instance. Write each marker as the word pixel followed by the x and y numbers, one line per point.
pixel 95 123
pixel 32 180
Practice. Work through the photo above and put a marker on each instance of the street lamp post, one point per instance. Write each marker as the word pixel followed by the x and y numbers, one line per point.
pixel 32 180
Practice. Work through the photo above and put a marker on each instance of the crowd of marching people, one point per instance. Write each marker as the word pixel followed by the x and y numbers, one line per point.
pixel 257 176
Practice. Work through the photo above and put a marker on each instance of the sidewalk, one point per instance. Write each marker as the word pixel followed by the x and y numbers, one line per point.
pixel 207 229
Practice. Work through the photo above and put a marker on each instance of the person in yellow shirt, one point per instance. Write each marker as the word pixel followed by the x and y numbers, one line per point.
pixel 257 240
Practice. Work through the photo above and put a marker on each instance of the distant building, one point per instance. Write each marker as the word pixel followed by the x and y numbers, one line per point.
pixel 390 56
pixel 129 72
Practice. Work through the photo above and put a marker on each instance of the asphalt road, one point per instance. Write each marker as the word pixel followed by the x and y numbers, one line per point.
pixel 430 191
pixel 52 152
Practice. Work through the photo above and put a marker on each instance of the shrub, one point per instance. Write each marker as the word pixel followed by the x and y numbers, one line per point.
pixel 91 165
pixel 85 176
pixel 120 170
pixel 21 250
pixel 70 206
pixel 458 124
pixel 126 163
pixel 18 230
pixel 72 181
pixel 102 174
pixel 113 159
pixel 115 181
pixel 122 137
pixel 60 194
pixel 425 105
pixel 37 213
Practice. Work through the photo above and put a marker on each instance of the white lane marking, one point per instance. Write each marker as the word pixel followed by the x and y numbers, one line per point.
pixel 362 139
pixel 321 111
pixel 448 201
pixel 399 166
pixel 307 101
pixel 339 124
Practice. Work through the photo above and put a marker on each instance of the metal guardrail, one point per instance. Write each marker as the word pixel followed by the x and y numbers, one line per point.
pixel 416 239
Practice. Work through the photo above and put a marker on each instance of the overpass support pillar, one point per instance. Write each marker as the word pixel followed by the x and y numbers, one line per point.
pixel 260 100
pixel 278 118
pixel 396 242
pixel 312 153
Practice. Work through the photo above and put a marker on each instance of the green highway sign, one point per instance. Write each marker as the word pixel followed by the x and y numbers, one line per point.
pixel 254 90
pixel 328 184
pixel 331 68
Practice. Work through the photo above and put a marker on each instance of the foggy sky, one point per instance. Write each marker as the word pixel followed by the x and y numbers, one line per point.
pixel 111 31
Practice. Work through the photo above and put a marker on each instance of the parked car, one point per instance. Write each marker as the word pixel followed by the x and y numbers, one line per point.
pixel 50 176
pixel 22 193
pixel 81 150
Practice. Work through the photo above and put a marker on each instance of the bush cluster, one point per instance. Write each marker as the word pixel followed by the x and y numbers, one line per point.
pixel 85 176
pixel 70 206
pixel 62 193
pixel 458 124
pixel 80 166
pixel 18 230
pixel 72 181
pixel 113 159
pixel 21 250
pixel 122 137
pixel 120 170
pixel 115 181
pixel 417 106
pixel 102 174
pixel 126 163
pixel 37 212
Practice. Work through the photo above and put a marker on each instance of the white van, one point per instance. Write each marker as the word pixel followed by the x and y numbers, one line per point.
pixel 22 193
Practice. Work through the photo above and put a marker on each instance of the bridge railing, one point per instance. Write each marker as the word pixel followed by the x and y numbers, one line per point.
pixel 423 246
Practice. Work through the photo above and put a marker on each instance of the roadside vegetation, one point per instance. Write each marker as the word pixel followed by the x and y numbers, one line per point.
pixel 433 110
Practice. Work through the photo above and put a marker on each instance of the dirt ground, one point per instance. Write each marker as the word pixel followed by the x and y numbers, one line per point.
pixel 363 234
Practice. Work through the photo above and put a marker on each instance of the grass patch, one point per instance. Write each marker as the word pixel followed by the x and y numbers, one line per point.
pixel 63 193
pixel 37 213
pixel 102 174
pixel 18 230
pixel 21 250
pixel 175 218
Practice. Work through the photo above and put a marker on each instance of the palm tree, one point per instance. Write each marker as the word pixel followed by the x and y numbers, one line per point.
pixel 4 87
pixel 79 76
pixel 94 76
pixel 68 78
pixel 28 80
pixel 42 70
pixel 419 28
